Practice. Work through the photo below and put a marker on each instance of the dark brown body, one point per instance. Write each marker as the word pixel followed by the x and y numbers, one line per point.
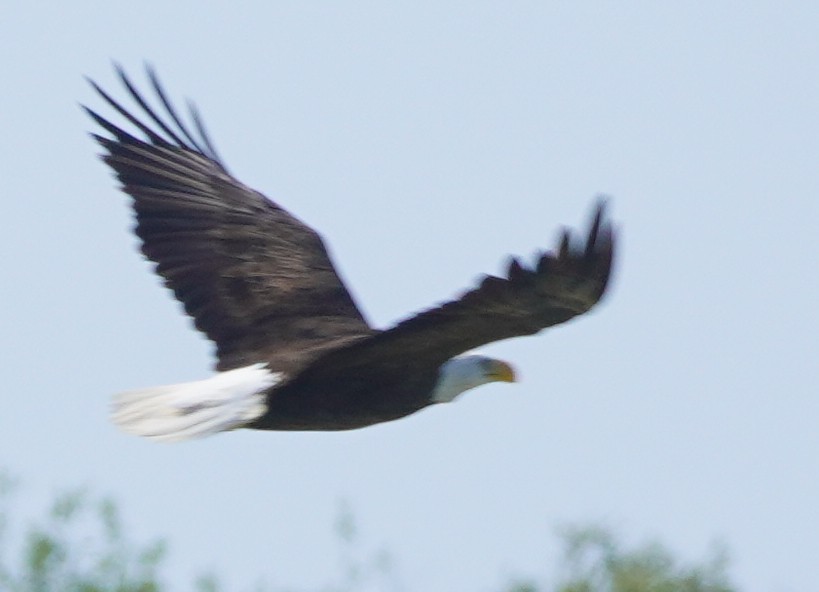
pixel 359 384
pixel 346 399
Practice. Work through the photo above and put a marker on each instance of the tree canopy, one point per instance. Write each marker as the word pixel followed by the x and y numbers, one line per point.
pixel 80 546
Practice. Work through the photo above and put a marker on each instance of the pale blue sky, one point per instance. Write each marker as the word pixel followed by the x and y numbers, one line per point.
pixel 427 141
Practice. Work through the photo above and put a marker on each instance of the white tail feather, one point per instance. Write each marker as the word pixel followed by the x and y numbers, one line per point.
pixel 226 401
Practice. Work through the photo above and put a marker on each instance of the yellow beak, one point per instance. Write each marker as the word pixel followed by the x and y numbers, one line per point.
pixel 502 372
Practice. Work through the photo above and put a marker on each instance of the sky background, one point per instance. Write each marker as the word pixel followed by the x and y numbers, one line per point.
pixel 427 141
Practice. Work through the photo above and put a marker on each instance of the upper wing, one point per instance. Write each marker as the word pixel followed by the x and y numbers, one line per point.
pixel 559 286
pixel 256 280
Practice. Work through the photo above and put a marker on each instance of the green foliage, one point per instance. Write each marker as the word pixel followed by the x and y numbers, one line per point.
pixel 594 561
pixel 360 569
pixel 80 546
pixel 523 587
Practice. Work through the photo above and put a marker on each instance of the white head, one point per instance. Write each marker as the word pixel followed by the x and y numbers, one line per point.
pixel 466 372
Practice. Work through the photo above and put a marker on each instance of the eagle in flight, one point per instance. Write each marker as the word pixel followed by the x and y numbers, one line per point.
pixel 294 351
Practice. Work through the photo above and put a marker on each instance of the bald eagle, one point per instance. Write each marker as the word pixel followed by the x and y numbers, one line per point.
pixel 294 352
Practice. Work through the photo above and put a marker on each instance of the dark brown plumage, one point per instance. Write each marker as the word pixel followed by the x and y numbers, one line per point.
pixel 260 284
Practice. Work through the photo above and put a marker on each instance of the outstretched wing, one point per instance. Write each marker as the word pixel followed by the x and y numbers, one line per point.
pixel 256 280
pixel 560 286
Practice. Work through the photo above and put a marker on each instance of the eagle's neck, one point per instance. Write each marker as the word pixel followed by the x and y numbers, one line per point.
pixel 458 375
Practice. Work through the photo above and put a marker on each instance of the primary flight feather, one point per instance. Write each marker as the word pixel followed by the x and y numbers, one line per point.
pixel 293 350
